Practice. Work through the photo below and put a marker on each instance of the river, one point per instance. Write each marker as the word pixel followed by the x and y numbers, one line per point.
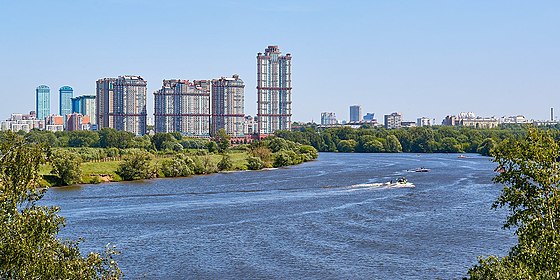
pixel 318 220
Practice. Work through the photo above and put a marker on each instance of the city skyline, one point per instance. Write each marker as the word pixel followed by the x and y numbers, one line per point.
pixel 431 58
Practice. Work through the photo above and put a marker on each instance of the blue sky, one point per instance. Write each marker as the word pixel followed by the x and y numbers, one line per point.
pixel 421 58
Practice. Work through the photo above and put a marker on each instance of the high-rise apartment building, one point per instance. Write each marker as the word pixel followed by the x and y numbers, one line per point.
pixel 121 103
pixel 104 100
pixel 274 90
pixel 355 113
pixel 43 101
pixel 393 121
pixel 65 100
pixel 227 104
pixel 183 106
pixel 85 105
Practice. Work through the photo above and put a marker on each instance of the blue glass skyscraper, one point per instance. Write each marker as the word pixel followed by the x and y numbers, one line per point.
pixel 65 104
pixel 43 101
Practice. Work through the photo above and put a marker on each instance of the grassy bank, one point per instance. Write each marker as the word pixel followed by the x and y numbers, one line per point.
pixel 94 172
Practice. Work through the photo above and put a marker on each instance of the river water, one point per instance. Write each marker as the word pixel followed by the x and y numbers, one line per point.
pixel 318 220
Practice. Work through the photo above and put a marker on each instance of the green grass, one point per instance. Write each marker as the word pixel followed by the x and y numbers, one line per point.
pixel 92 171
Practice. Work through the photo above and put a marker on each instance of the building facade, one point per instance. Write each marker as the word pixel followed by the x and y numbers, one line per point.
pixel 328 118
pixel 121 103
pixel 104 101
pixel 274 91
pixel 77 121
pixel 86 106
pixel 65 94
pixel 393 121
pixel 183 106
pixel 423 121
pixel 355 113
pixel 227 102
pixel 43 101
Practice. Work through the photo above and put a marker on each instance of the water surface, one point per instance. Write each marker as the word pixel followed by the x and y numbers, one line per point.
pixel 316 220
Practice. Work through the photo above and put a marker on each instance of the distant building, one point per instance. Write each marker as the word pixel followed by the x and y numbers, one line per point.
pixel 227 102
pixel 43 101
pixel 22 122
pixel 76 121
pixel 65 100
pixel 369 117
pixel 54 127
pixel 104 101
pixel 121 103
pixel 423 121
pixel 355 113
pixel 250 125
pixel 449 120
pixel 86 106
pixel 519 119
pixel 393 121
pixel 183 106
pixel 274 91
pixel 408 124
pixel 328 118
pixel 469 119
pixel 54 120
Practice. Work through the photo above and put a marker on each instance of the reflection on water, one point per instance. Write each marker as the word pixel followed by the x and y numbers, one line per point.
pixel 331 218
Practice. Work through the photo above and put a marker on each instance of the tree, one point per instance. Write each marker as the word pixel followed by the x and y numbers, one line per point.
pixel 530 173
pixel 222 139
pixel 282 158
pixel 29 247
pixel 212 147
pixel 254 163
pixel 373 146
pixel 225 163
pixel 347 146
pixel 392 145
pixel 67 166
pixel 137 166
pixel 486 147
pixel 163 140
pixel 177 166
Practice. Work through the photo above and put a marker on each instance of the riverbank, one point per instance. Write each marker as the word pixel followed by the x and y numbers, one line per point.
pixel 96 172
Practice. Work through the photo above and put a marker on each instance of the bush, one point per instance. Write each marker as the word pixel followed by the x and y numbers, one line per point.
pixel 225 163
pixel 136 166
pixel 67 166
pixel 254 163
pixel 178 166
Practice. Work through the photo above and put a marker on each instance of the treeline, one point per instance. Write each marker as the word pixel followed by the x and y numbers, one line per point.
pixel 436 139
pixel 160 155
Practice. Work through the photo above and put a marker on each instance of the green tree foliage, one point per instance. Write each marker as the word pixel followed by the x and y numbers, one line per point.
pixel 205 165
pixel 83 138
pixel 67 166
pixel 29 247
pixel 373 146
pixel 436 139
pixel 486 147
pixel 222 139
pixel 225 163
pixel 161 141
pixel 282 158
pixel 178 166
pixel 263 152
pixel 254 163
pixel 137 166
pixel 212 147
pixel 109 137
pixel 531 178
pixel 392 144
pixel 347 146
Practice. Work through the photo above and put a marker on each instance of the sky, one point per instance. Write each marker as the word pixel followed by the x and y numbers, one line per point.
pixel 422 58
